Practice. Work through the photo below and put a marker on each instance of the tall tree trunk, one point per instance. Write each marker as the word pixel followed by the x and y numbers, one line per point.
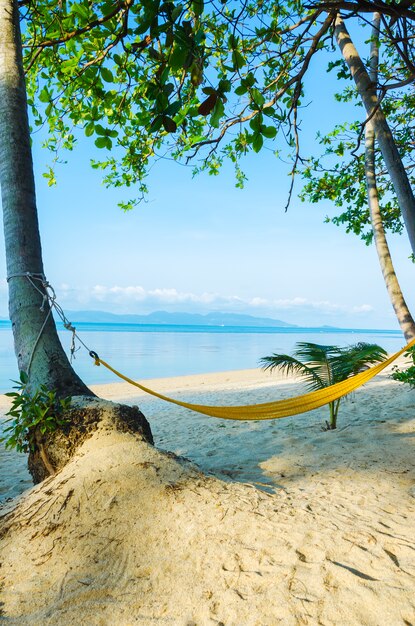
pixel 400 307
pixel 37 344
pixel 383 133
pixel 49 363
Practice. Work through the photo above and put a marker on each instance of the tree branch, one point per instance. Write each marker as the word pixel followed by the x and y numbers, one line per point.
pixel 394 10
pixel 80 31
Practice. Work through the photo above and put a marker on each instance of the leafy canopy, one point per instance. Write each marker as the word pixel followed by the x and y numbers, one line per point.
pixel 208 80
pixel 338 173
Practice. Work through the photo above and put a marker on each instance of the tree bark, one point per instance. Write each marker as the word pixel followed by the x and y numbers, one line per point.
pixel 405 319
pixel 383 133
pixel 396 296
pixel 37 344
pixel 49 363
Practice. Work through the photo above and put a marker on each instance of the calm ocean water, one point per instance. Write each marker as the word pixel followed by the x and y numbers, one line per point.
pixel 152 351
pixel 157 351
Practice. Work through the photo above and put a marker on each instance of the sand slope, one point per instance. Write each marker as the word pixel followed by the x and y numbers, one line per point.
pixel 126 534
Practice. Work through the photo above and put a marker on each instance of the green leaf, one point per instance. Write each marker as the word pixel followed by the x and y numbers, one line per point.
pixel 208 90
pixel 100 130
pixel 198 6
pixel 50 176
pixel 89 130
pixel 250 80
pixel 156 124
pixel 269 131
pixel 69 66
pixel 173 108
pixel 44 95
pixel 257 142
pixel 176 12
pixel 257 97
pixel 241 90
pixel 224 85
pixel 178 57
pixel 256 122
pixel 81 10
pixel 107 75
pixel 103 142
pixel 217 113
pixel 233 41
pixel 238 60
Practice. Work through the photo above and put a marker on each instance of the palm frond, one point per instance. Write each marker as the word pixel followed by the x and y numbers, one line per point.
pixel 322 365
pixel 318 358
pixel 288 365
pixel 314 352
pixel 352 359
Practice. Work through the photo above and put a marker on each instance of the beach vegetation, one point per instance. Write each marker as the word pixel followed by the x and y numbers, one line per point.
pixel 406 375
pixel 32 415
pixel 322 366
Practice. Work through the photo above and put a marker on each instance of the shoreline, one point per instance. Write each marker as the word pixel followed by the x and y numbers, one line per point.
pixel 119 390
pixel 192 383
pixel 122 391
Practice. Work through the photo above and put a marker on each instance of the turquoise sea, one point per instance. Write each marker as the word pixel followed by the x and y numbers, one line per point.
pixel 156 351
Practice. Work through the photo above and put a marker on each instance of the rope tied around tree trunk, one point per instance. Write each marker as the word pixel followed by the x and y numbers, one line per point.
pixel 46 290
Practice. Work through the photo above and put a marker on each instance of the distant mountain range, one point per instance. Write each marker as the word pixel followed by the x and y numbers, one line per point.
pixel 196 319
pixel 178 319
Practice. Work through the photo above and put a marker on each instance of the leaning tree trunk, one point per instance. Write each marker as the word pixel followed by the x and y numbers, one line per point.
pixel 37 346
pixel 402 312
pixel 383 133
pixel 400 307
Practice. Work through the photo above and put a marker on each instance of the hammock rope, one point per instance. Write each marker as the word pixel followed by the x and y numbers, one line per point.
pixel 265 411
pixel 271 410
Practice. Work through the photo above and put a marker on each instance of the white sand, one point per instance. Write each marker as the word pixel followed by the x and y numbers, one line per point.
pixel 128 535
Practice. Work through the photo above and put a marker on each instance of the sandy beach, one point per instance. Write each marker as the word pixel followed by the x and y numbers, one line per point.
pixel 269 523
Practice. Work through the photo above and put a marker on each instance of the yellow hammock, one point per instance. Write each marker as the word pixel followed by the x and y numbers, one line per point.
pixel 279 408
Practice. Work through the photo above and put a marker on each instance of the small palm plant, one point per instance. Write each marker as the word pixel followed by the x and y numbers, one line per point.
pixel 323 366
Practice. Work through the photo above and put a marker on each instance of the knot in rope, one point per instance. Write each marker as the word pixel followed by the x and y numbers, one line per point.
pixel 97 360
pixel 48 296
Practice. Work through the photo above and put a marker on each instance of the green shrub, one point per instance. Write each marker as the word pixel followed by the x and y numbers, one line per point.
pixel 406 375
pixel 41 411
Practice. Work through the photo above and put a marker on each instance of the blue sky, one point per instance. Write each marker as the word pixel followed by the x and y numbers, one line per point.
pixel 200 245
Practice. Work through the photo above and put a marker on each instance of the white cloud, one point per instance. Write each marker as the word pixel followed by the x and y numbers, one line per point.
pixel 258 302
pixel 364 308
